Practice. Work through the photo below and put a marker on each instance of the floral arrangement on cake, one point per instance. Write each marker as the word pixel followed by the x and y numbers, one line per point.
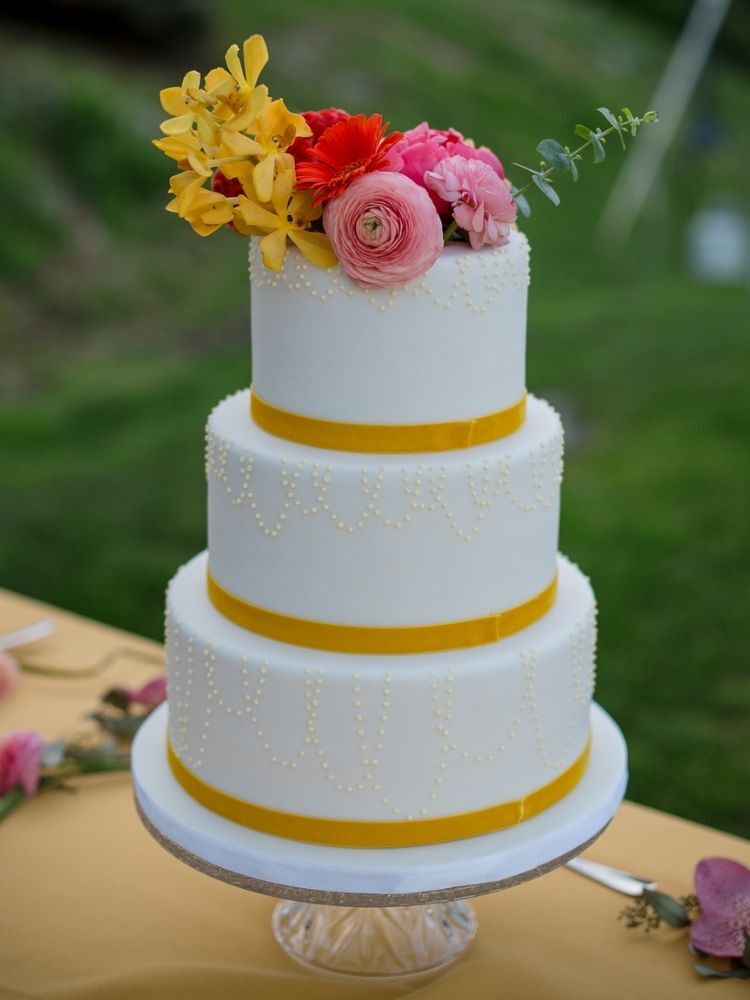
pixel 340 186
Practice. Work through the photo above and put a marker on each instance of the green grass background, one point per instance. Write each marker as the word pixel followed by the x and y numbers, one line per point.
pixel 120 329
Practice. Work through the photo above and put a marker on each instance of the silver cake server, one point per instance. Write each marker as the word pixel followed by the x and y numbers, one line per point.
pixel 613 878
pixel 29 633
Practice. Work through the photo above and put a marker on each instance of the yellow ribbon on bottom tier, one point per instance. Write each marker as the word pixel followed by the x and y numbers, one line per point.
pixel 377 639
pixel 367 833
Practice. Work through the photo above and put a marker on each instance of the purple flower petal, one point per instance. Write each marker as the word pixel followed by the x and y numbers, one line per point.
pixel 718 935
pixel 723 886
pixel 723 890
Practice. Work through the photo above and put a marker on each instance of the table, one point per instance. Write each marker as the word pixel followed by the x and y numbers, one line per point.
pixel 93 909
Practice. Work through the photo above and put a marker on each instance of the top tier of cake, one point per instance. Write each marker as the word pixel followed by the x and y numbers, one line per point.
pixel 446 347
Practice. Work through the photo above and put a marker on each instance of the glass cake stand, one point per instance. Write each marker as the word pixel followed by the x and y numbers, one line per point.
pixel 387 912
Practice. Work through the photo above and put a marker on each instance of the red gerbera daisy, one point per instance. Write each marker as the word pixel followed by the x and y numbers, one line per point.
pixel 318 121
pixel 352 147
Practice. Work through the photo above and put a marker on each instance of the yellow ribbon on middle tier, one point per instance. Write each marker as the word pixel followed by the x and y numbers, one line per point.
pixel 376 639
pixel 386 438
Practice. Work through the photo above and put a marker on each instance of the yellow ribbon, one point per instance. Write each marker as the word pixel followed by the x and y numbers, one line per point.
pixel 386 438
pixel 376 639
pixel 366 833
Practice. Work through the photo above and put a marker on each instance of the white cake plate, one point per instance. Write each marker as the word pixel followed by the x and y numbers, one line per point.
pixel 388 911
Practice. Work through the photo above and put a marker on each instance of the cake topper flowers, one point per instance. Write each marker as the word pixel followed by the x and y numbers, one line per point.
pixel 341 187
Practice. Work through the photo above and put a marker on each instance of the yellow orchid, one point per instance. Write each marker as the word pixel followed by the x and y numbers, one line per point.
pixel 190 105
pixel 232 156
pixel 276 129
pixel 240 98
pixel 185 148
pixel 206 211
pixel 291 218
pixel 226 130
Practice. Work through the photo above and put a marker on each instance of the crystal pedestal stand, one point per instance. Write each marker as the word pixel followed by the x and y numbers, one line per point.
pixel 389 912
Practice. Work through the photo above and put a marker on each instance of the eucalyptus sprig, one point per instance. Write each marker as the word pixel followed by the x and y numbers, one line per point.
pixel 558 157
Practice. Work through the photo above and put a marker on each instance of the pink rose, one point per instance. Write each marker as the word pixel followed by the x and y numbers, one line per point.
pixel 9 674
pixel 482 203
pixel 384 230
pixel 20 760
pixel 422 148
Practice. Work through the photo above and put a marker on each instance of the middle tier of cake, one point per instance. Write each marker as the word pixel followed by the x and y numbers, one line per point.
pixel 384 541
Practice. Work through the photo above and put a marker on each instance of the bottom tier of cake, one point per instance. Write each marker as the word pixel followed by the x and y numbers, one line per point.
pixel 358 749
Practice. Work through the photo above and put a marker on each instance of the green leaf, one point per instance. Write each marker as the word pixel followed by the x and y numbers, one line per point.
pixel 669 909
pixel 573 168
pixel 122 726
pixel 598 146
pixel 554 154
pixel 630 121
pixel 651 116
pixel 616 125
pixel 10 801
pixel 738 973
pixel 529 170
pixel 53 754
pixel 89 760
pixel 546 188
pixel 521 203
pixel 583 131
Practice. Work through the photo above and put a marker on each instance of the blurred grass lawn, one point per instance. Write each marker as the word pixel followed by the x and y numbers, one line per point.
pixel 119 330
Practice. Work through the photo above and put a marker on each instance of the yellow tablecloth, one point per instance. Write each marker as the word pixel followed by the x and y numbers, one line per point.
pixel 91 908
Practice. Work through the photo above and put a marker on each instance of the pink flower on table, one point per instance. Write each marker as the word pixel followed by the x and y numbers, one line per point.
pixel 150 694
pixel 20 760
pixel 422 148
pixel 9 674
pixel 384 230
pixel 723 890
pixel 482 202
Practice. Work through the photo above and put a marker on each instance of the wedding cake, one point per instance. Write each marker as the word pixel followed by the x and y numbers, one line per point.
pixel 408 560
pixel 381 645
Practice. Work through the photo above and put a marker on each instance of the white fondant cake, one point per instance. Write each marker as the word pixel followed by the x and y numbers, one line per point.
pixel 382 543
pixel 373 737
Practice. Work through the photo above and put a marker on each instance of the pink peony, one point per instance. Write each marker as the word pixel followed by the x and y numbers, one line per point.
pixel 20 759
pixel 152 693
pixel 422 148
pixel 384 230
pixel 9 674
pixel 482 203
pixel 723 890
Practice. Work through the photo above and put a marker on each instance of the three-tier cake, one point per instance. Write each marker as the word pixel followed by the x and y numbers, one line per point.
pixel 382 645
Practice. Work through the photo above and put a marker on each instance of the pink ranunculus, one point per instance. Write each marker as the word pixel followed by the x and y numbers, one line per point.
pixel 9 674
pixel 422 148
pixel 384 230
pixel 20 759
pixel 723 890
pixel 150 694
pixel 482 203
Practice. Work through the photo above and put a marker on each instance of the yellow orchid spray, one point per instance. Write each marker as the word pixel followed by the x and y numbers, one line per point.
pixel 226 131
pixel 287 217
pixel 277 128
